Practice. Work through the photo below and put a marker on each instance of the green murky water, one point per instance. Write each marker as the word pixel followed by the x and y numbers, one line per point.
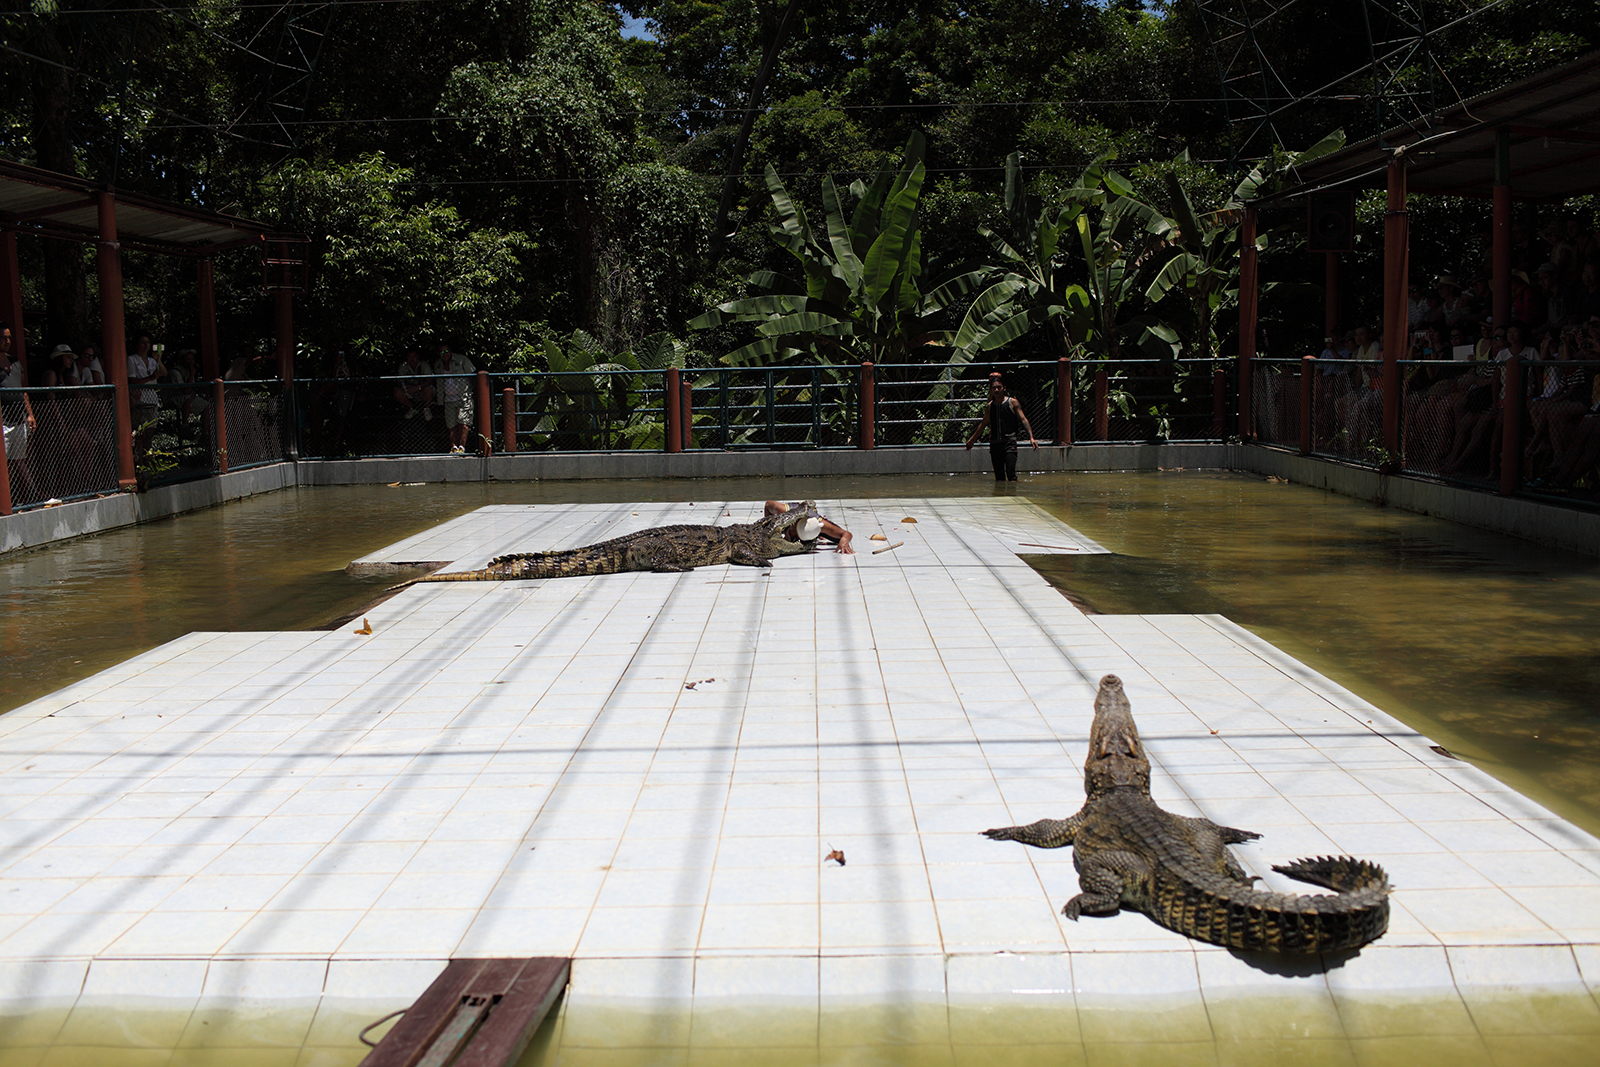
pixel 1485 643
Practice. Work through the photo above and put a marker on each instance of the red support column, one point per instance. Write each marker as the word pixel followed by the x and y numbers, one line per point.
pixel 220 420
pixel 210 362
pixel 1396 281
pixel 113 340
pixel 1247 316
pixel 1308 365
pixel 1511 429
pixel 1502 229
pixel 508 420
pixel 1102 416
pixel 1063 401
pixel 674 400
pixel 485 414
pixel 1330 293
pixel 869 406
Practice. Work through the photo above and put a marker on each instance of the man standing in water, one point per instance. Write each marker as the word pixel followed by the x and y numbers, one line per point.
pixel 1001 417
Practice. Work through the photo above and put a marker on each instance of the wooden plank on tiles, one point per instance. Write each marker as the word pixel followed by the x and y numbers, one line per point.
pixel 510 996
pixel 504 1036
pixel 410 1038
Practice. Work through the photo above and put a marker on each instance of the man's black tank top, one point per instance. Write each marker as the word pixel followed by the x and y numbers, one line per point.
pixel 1003 422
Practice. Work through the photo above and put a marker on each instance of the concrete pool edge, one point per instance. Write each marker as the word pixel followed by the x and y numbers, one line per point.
pixel 1569 529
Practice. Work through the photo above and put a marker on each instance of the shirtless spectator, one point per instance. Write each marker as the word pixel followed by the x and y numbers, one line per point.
pixel 456 396
pixel 414 393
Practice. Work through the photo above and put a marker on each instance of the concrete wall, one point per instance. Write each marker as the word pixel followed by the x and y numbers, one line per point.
pixel 41 526
pixel 1566 528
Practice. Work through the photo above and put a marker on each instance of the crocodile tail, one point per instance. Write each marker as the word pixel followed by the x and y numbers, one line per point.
pixel 1232 914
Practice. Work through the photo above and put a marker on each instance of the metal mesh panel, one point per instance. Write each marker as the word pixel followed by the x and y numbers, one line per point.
pixel 585 411
pixel 70 451
pixel 1561 430
pixel 1347 411
pixel 1144 400
pixel 361 417
pixel 175 441
pixel 255 419
pixel 1275 398
pixel 1434 399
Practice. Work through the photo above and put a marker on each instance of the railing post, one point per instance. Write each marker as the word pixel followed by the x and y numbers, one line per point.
pixel 1308 367
pixel 1102 417
pixel 869 404
pixel 674 402
pixel 687 412
pixel 220 422
pixel 508 419
pixel 485 420
pixel 205 283
pixel 1511 429
pixel 772 410
pixel 1063 401
pixel 1219 403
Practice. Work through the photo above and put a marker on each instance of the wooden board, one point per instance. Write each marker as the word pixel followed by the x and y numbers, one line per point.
pixel 512 995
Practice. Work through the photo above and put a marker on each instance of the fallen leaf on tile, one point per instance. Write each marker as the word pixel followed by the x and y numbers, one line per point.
pixel 909 519
pixel 879 537
pixel 366 627
pixel 836 854
pixel 701 681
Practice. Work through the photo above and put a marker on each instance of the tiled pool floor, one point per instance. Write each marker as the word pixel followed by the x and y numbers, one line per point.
pixel 645 772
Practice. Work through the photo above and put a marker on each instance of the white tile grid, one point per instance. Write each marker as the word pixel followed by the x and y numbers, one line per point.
pixel 650 820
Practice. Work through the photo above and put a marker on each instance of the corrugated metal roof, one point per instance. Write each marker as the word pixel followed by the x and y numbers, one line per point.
pixel 1554 121
pixel 61 205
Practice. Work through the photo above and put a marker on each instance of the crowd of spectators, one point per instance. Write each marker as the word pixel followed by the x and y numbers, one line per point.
pixel 1454 370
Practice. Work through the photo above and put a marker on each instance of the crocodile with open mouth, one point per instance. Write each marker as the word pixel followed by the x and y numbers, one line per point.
pixel 662 549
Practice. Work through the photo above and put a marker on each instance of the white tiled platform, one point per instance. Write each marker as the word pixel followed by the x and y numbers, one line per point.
pixel 645 772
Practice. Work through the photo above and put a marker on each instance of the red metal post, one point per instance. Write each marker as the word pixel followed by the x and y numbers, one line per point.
pixel 869 406
pixel 674 390
pixel 284 301
pixel 1330 293
pixel 686 409
pixel 485 414
pixel 1308 367
pixel 1396 285
pixel 508 420
pixel 1063 401
pixel 1247 315
pixel 220 421
pixel 1102 417
pixel 1502 229
pixel 113 341
pixel 210 363
pixel 1511 429
pixel 1219 402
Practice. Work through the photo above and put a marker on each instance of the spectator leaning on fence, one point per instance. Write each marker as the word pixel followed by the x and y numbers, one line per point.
pixel 144 368
pixel 456 395
pixel 16 413
pixel 414 393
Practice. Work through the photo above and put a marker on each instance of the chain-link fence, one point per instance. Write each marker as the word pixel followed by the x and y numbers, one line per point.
pixel 1560 430
pixel 1275 401
pixel 68 452
pixel 173 436
pixel 258 422
pixel 1346 411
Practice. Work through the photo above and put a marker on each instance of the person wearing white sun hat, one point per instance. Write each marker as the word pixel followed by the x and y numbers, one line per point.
pixel 811 529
